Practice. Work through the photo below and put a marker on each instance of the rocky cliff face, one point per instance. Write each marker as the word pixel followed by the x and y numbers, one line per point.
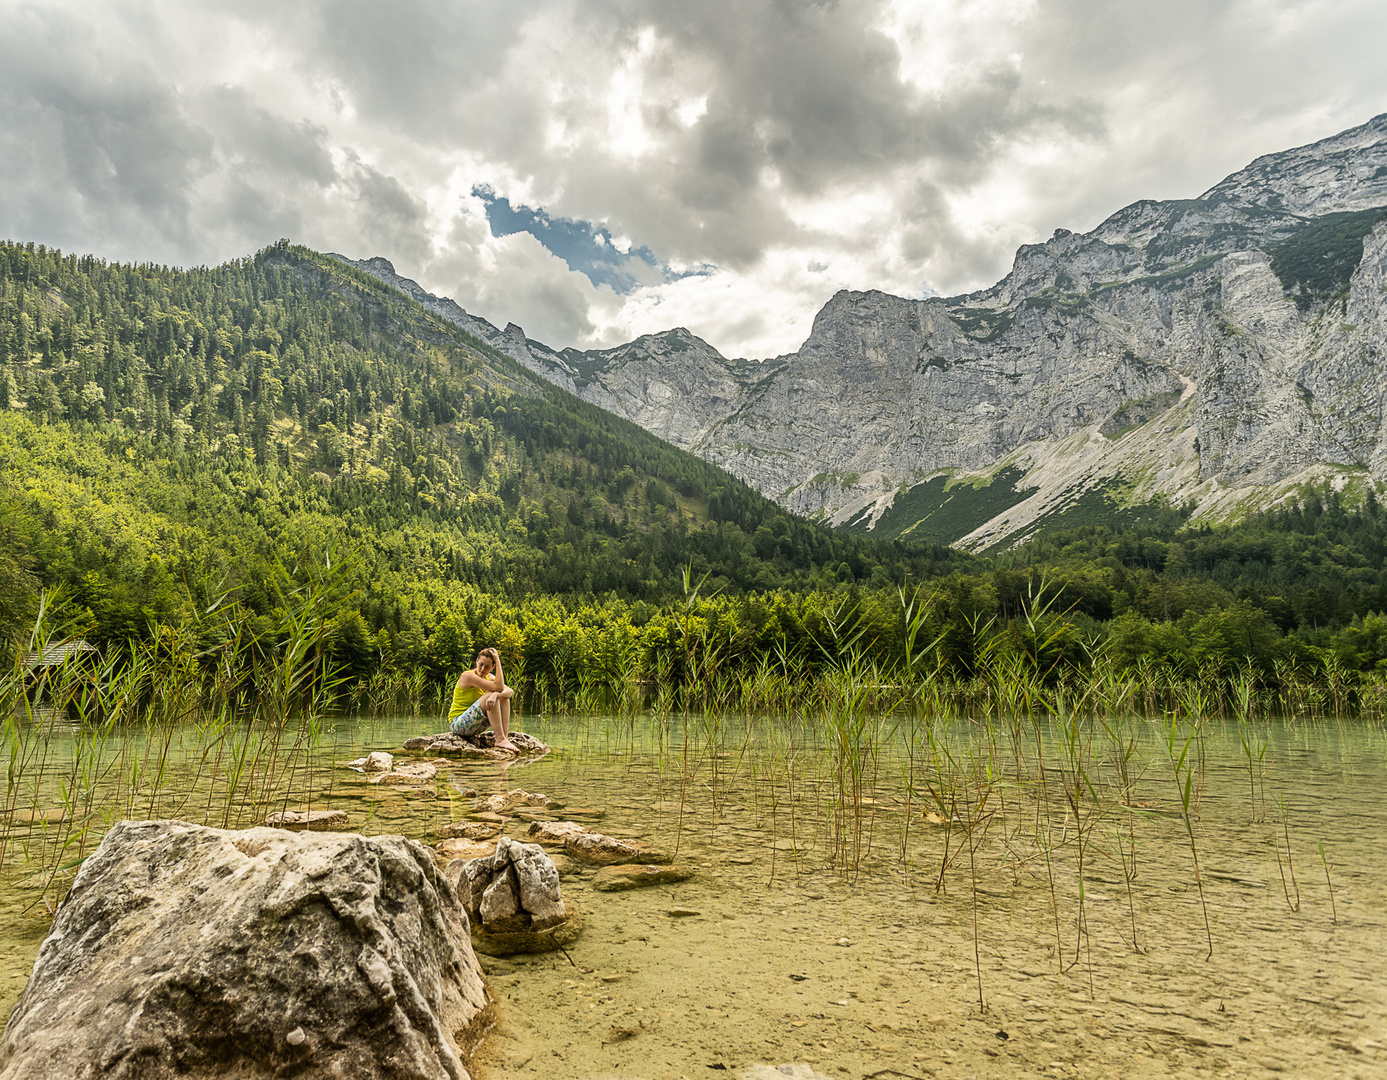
pixel 1222 350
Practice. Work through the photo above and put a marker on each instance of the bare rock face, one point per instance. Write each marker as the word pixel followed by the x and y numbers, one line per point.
pixel 1224 350
pixel 184 951
pixel 514 899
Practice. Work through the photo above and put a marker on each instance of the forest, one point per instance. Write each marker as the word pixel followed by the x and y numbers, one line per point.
pixel 192 449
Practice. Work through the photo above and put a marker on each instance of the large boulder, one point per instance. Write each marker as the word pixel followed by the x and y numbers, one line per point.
pixel 184 951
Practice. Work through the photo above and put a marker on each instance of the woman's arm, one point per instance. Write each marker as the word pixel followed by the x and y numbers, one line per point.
pixel 471 678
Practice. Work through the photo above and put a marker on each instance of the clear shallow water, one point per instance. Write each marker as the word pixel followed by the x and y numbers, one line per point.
pixel 824 938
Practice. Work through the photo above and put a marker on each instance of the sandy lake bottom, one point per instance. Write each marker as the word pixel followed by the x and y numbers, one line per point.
pixel 814 940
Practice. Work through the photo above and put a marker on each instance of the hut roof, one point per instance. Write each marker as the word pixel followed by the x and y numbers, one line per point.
pixel 54 655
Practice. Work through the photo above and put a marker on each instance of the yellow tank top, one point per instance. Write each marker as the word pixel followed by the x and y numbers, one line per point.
pixel 463 696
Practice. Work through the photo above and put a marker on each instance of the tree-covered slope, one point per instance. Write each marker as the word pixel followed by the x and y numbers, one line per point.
pixel 171 436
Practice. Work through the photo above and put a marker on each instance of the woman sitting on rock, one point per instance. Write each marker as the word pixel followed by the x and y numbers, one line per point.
pixel 481 697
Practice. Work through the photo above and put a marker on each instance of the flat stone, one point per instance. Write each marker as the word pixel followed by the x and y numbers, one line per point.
pixel 470 830
pixel 376 761
pixel 635 876
pixel 418 772
pixel 597 849
pixel 509 800
pixel 463 848
pixel 311 820
pixel 556 833
pixel 476 747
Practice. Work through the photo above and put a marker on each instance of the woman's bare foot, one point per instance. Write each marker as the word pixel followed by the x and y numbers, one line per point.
pixel 507 745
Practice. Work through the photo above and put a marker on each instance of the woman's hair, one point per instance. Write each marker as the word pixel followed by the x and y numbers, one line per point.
pixel 488 652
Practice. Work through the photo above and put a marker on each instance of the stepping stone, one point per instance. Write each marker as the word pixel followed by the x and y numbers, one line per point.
pixel 312 820
pixel 634 876
pixel 554 832
pixel 469 830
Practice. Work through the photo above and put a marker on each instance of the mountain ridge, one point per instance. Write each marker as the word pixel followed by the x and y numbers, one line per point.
pixel 1222 351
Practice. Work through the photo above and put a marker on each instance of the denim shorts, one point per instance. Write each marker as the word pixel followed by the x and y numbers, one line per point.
pixel 470 721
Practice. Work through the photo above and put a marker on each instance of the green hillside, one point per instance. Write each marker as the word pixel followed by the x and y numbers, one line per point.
pixel 173 436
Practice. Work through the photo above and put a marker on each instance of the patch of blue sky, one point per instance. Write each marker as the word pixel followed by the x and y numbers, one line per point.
pixel 586 248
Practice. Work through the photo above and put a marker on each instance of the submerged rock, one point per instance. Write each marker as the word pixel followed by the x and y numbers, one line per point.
pixel 476 746
pixel 631 876
pixel 509 800
pixel 418 772
pixel 514 900
pixel 312 820
pixel 185 951
pixel 469 830
pixel 463 848
pixel 375 761
pixel 599 849
pixel 557 833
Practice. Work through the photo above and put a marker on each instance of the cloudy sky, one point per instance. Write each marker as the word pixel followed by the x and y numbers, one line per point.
pixel 596 169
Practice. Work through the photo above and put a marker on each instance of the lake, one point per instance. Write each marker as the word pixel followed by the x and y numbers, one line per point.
pixel 873 897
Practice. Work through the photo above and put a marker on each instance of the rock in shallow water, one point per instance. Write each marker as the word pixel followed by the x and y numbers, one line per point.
pixel 504 801
pixel 514 899
pixel 621 878
pixel 476 746
pixel 376 761
pixel 598 849
pixel 194 952
pixel 313 820
pixel 557 833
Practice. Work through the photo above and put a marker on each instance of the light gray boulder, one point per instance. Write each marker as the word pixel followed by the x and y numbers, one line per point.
pixel 185 951
pixel 514 899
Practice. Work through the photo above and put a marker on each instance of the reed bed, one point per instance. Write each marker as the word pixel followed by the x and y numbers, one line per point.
pixel 1041 763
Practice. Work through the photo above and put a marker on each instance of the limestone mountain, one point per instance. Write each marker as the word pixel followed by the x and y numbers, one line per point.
pixel 1221 351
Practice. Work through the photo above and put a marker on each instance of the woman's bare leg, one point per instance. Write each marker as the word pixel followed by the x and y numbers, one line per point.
pixel 506 695
pixel 497 708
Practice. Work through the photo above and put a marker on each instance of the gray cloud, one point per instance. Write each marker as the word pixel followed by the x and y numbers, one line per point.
pixel 885 148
